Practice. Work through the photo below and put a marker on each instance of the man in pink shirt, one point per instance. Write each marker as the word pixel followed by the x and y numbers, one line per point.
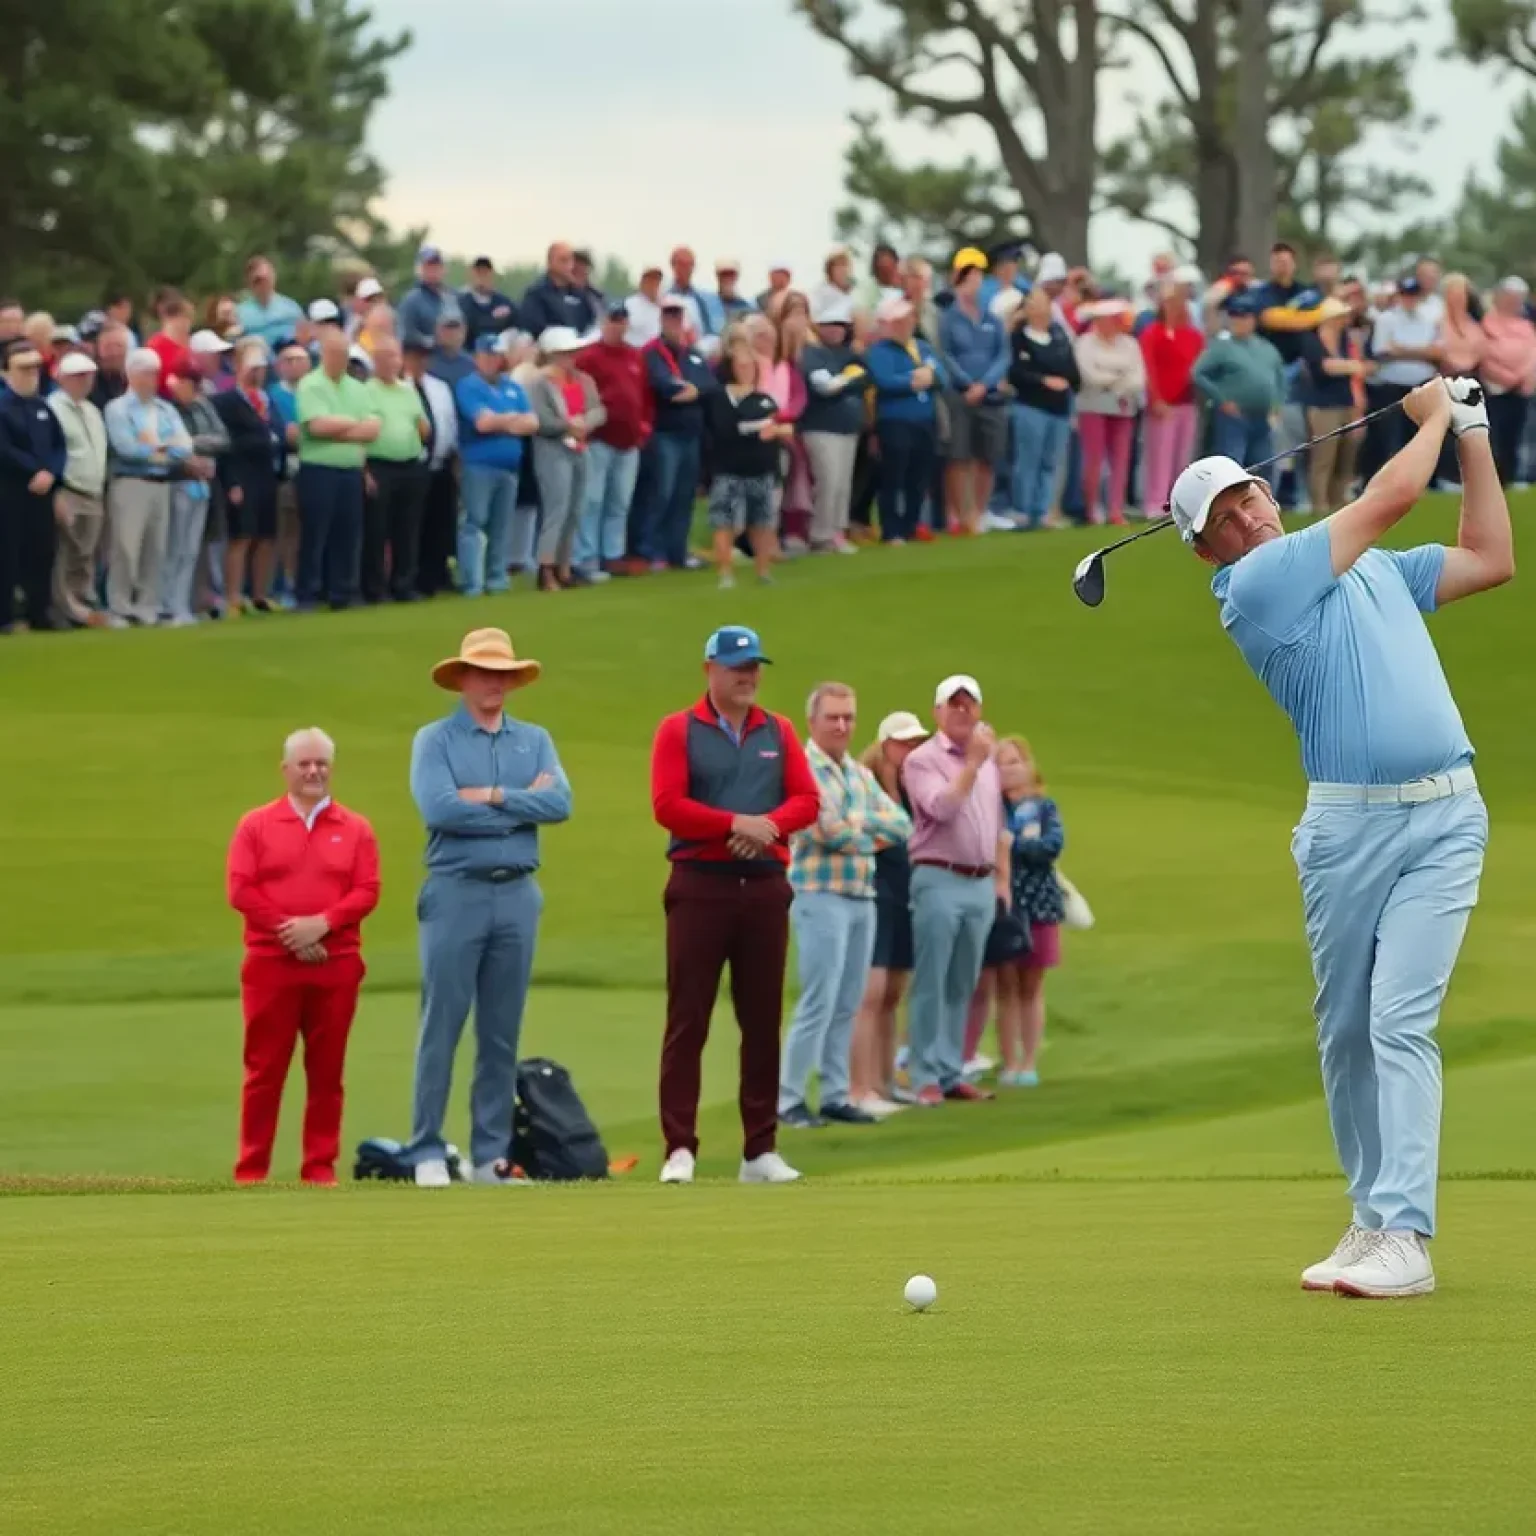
pixel 959 855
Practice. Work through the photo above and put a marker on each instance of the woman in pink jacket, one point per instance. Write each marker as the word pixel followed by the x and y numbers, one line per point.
pixel 1509 372
pixel 1113 392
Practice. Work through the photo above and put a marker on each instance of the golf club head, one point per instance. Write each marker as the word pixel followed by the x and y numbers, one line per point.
pixel 1088 579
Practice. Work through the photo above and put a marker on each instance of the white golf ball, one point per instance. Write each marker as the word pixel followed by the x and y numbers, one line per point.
pixel 921 1293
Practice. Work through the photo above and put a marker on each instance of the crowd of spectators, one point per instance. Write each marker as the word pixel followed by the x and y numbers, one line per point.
pixel 253 452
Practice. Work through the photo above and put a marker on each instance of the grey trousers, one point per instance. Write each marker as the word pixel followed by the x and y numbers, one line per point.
pixel 562 498
pixel 831 455
pixel 183 547
pixel 138 516
pixel 951 918
pixel 477 942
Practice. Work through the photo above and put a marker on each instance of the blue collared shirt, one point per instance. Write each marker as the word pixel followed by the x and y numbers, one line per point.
pixel 1348 657
pixel 126 418
pixel 456 753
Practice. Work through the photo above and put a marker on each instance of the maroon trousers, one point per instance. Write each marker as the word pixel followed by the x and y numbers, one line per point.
pixel 714 918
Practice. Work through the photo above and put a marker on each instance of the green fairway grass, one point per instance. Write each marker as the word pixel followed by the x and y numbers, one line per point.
pixel 1119 1344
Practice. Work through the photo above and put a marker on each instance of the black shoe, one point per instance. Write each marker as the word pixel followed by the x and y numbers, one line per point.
pixel 801 1119
pixel 847 1114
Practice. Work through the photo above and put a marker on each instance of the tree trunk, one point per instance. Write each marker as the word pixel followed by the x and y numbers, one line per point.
pixel 1255 160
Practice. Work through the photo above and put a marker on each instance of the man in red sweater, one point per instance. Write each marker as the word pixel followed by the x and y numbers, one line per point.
pixel 730 782
pixel 303 873
pixel 613 452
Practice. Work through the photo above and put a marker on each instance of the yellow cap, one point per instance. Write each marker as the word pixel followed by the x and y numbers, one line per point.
pixel 970 256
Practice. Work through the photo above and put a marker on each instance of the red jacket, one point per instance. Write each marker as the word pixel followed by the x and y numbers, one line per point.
pixel 619 373
pixel 700 830
pixel 279 869
pixel 1170 355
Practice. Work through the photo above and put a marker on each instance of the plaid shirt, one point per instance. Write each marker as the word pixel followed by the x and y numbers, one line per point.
pixel 836 856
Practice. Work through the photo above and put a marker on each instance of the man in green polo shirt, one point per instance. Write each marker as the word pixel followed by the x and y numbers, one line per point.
pixel 396 479
pixel 337 425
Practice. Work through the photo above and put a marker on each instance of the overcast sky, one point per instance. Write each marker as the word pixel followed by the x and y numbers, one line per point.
pixel 633 125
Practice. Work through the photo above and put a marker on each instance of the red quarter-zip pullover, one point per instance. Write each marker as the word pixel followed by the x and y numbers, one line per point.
pixel 279 869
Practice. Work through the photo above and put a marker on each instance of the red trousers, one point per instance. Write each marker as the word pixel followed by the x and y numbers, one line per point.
pixel 712 919
pixel 284 1000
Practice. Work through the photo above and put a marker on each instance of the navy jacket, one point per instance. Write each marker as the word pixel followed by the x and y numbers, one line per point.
pixel 545 304
pixel 30 439
pixel 491 314
pixel 667 372
pixel 256 451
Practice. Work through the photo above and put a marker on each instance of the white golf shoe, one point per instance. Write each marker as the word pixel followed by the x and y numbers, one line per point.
pixel 1352 1246
pixel 678 1168
pixel 499 1172
pixel 880 1108
pixel 1395 1264
pixel 769 1168
pixel 432 1173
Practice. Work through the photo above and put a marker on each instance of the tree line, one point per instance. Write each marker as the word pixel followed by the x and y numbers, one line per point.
pixel 1267 121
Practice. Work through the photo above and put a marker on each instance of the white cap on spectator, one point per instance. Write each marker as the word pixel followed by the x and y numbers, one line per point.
pixel 1052 268
pixel 369 288
pixel 554 340
pixel 674 301
pixel 903 725
pixel 1189 273
pixel 780 265
pixel 834 310
pixel 355 354
pixel 960 682
pixel 728 264
pixel 143 360
pixel 322 310
pixel 1005 301
pixel 893 307
pixel 1514 284
pixel 206 342
pixel 76 362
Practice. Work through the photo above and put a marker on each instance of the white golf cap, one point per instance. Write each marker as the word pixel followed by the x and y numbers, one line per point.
pixel 1199 486
pixel 1514 284
pixel 903 725
pixel 779 264
pixel 892 308
pixel 557 339
pixel 1052 268
pixel 369 288
pixel 961 682
pixel 207 342
pixel 75 362
pixel 323 310
pixel 832 310
pixel 356 354
pixel 142 360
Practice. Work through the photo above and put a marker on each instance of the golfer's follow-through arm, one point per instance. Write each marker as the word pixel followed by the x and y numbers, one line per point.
pixel 1396 487
pixel 1484 553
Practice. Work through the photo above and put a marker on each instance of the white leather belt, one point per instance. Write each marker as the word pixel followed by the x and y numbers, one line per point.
pixel 1437 786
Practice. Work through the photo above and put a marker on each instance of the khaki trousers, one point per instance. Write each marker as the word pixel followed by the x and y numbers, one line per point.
pixel 1330 466
pixel 74 566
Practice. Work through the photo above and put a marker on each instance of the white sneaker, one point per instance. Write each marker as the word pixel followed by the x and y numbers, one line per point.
pixel 1395 1264
pixel 678 1168
pixel 881 1109
pixel 769 1168
pixel 1352 1247
pixel 995 522
pixel 499 1172
pixel 432 1174
pixel 727 581
pixel 977 1066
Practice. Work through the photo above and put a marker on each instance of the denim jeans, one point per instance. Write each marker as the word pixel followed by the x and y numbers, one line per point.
pixel 674 482
pixel 485 534
pixel 1039 441
pixel 611 476
pixel 1247 439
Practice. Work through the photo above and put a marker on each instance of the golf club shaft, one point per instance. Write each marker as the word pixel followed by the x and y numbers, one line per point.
pixel 1349 426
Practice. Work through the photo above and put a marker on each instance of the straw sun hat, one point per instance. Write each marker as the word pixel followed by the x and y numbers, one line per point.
pixel 491 651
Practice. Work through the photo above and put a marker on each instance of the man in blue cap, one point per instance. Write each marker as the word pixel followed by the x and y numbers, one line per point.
pixel 1242 378
pixel 730 783
pixel 494 418
pixel 424 308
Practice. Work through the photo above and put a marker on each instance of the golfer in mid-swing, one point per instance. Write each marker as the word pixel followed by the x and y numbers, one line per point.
pixel 1391 845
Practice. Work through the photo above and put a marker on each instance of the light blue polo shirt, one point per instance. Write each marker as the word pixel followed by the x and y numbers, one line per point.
pixel 1348 658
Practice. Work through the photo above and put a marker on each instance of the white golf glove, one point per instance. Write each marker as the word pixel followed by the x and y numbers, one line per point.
pixel 1469 409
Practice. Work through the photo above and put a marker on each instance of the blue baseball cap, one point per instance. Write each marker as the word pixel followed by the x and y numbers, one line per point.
pixel 428 253
pixel 487 341
pixel 735 646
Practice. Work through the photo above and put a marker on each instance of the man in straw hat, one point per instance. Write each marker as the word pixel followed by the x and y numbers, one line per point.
pixel 484 784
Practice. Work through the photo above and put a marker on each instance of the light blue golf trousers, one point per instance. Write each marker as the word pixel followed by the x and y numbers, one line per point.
pixel 951 918
pixel 477 942
pixel 835 936
pixel 1387 889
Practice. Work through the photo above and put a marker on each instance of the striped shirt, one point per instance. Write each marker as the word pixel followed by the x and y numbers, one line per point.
pixel 836 855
